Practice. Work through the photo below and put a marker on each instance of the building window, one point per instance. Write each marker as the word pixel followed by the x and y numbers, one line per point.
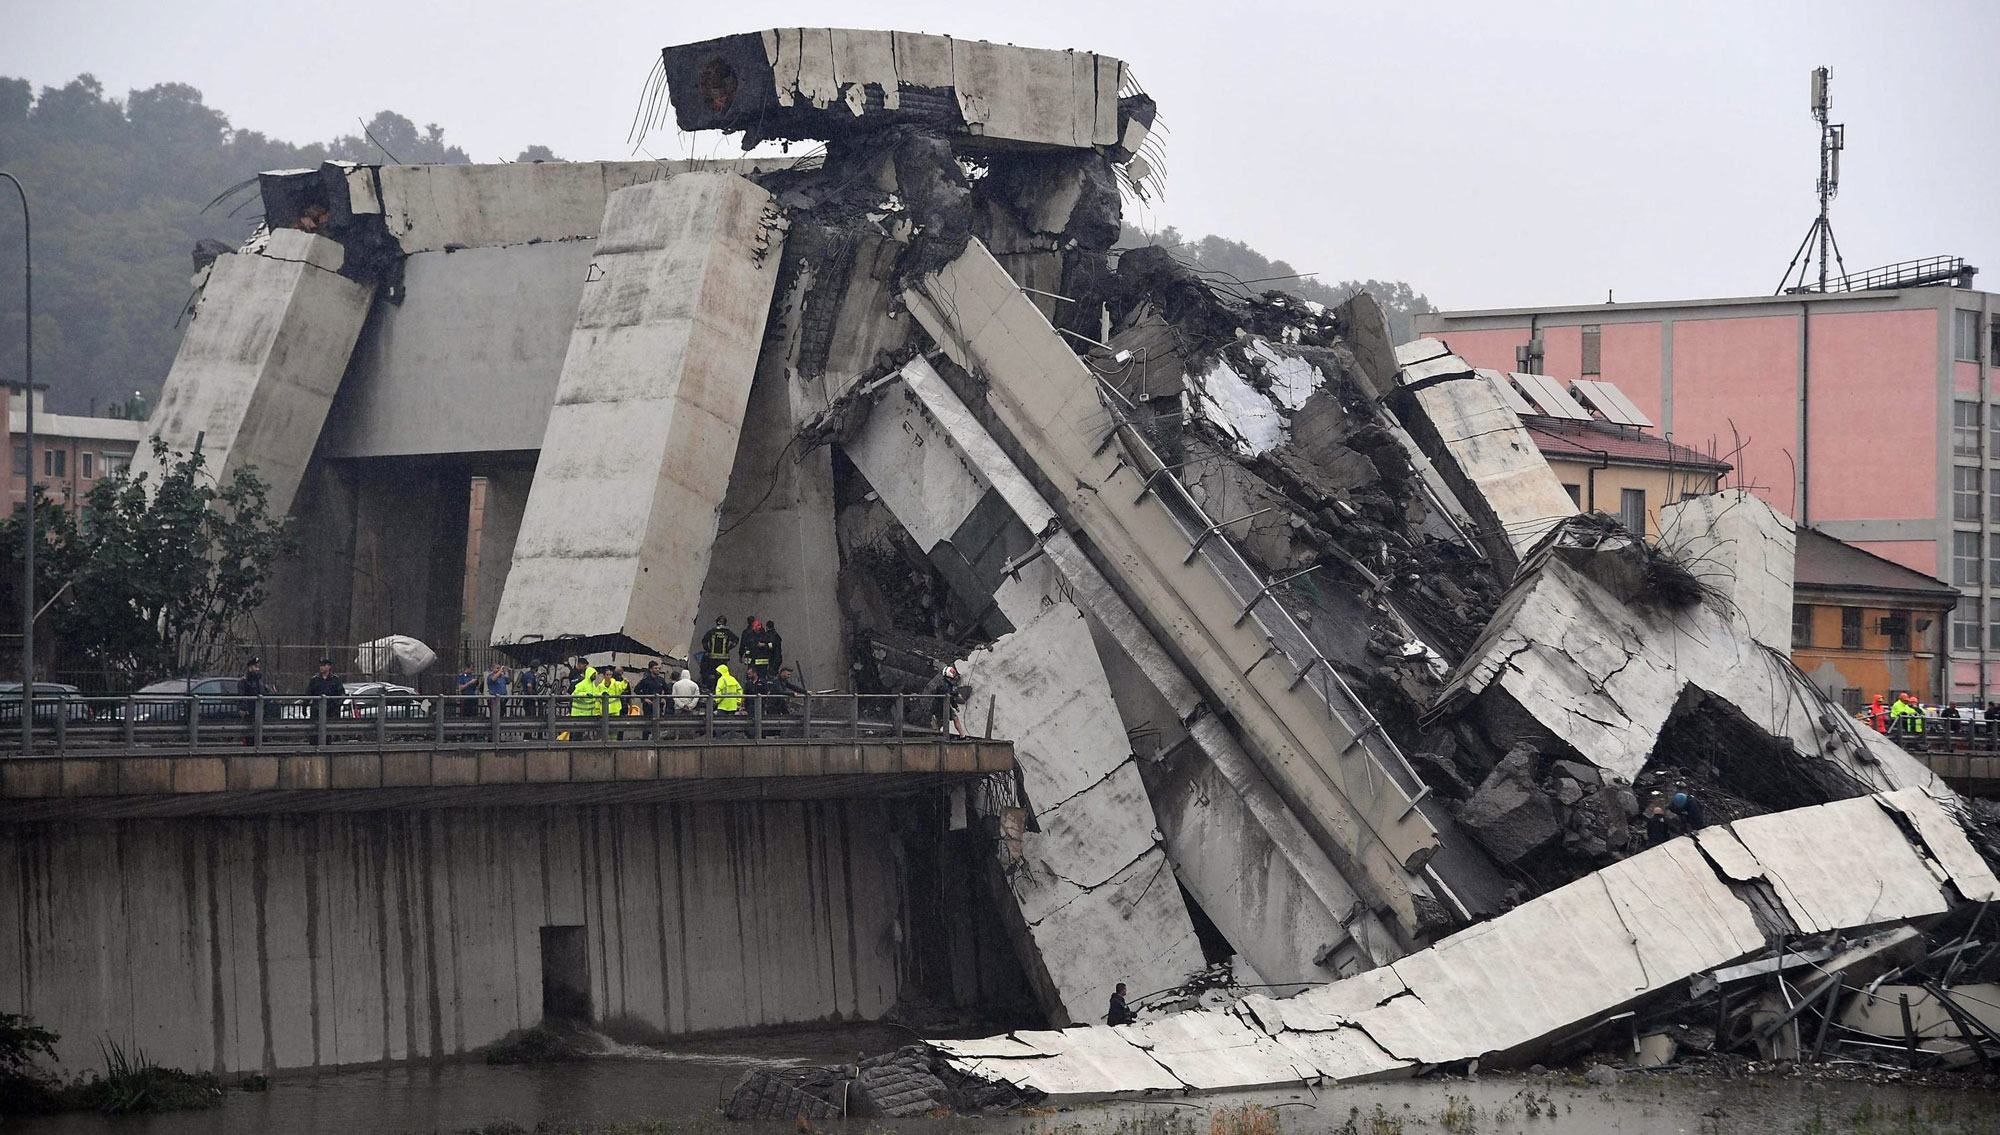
pixel 1965 492
pixel 84 464
pixel 1964 631
pixel 1897 627
pixel 1850 628
pixel 1593 349
pixel 1850 699
pixel 1802 614
pixel 1576 494
pixel 1632 510
pixel 115 464
pixel 1965 429
pixel 1992 626
pixel 1965 558
pixel 20 460
pixel 55 462
pixel 1965 336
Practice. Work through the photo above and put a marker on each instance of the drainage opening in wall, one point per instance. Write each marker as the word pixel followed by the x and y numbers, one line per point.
pixel 565 974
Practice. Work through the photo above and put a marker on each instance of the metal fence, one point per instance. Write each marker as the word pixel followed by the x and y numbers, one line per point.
pixel 72 725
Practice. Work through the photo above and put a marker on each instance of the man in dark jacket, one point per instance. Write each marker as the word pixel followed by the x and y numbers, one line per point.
pixel 1120 1013
pixel 322 686
pixel 253 688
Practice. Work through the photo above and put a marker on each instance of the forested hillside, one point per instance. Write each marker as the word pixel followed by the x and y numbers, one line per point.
pixel 118 188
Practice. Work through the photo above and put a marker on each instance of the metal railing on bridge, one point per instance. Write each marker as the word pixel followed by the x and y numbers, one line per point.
pixel 142 724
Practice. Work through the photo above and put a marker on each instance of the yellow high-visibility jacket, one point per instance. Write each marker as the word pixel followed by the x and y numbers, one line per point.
pixel 728 691
pixel 586 699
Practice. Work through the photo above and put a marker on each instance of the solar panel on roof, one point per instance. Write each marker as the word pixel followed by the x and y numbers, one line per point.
pixel 1611 402
pixel 1508 394
pixel 1549 397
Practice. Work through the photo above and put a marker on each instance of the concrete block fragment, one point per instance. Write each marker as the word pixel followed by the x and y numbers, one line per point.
pixel 1509 813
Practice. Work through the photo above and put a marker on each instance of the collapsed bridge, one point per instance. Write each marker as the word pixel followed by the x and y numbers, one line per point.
pixel 1306 660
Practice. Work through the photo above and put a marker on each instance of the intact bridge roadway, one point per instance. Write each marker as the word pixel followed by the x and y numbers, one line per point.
pixel 187 756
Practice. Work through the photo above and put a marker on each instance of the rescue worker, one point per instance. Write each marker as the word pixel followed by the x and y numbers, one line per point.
pixel 1904 716
pixel 716 647
pixel 612 678
pixel 586 697
pixel 756 650
pixel 728 691
pixel 1687 810
pixel 1120 1013
pixel 1658 830
pixel 1878 715
pixel 774 647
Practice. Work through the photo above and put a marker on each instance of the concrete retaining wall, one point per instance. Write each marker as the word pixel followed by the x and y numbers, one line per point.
pixel 290 941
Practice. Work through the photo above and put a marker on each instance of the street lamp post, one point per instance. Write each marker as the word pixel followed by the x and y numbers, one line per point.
pixel 28 497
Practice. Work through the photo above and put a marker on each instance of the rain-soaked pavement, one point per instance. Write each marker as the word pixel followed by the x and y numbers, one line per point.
pixel 637 1084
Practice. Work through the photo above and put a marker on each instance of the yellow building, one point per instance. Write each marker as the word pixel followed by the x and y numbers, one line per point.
pixel 1863 627
pixel 1622 470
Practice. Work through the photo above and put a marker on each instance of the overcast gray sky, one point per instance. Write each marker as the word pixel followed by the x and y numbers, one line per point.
pixel 1491 154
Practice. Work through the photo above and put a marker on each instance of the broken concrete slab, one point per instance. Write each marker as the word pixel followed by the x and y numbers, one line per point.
pixel 822 82
pixel 1477 443
pixel 1502 990
pixel 636 459
pixel 1095 896
pixel 1734 542
pixel 1213 1051
pixel 258 369
pixel 1584 652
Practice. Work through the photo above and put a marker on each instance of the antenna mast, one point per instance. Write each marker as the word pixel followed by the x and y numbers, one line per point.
pixel 1832 140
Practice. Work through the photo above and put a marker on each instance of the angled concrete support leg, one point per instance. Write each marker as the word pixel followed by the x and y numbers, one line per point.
pixel 258 368
pixel 616 538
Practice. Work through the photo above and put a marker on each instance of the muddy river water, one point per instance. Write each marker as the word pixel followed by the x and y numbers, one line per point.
pixel 641 1084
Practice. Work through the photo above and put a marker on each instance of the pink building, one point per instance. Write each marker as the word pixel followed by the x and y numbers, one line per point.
pixel 1873 416
pixel 72 453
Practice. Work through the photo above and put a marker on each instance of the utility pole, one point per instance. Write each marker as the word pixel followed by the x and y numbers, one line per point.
pixel 28 498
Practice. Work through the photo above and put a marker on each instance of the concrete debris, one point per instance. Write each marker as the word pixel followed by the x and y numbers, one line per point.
pixel 1614 939
pixel 1093 895
pixel 1582 658
pixel 1237 848
pixel 1509 813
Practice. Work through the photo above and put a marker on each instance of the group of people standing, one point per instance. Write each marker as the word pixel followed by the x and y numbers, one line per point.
pixel 759 652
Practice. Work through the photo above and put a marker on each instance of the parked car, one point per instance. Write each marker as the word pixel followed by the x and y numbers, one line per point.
pixel 168 700
pixel 398 703
pixel 52 699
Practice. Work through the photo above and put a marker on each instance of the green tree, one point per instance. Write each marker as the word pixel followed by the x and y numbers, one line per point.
pixel 157 577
